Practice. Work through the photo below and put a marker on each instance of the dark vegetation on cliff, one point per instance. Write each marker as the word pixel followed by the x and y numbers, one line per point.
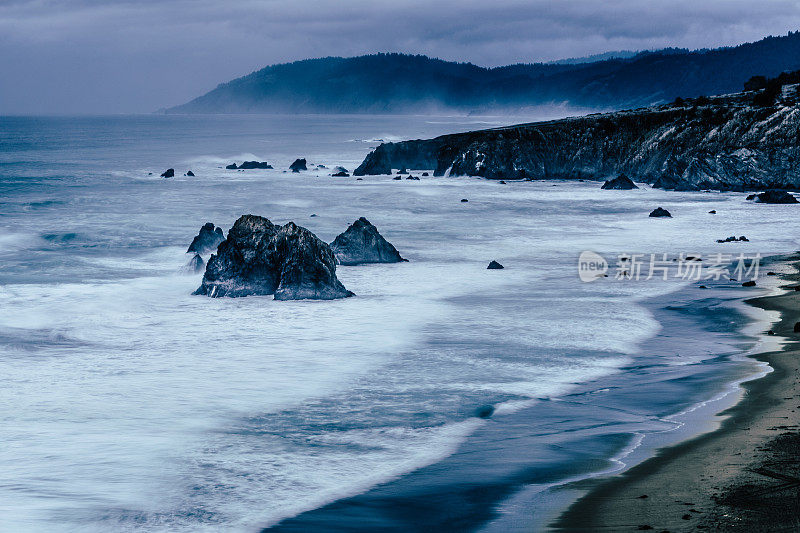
pixel 397 83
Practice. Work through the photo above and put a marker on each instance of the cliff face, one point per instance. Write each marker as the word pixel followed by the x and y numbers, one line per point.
pixel 727 145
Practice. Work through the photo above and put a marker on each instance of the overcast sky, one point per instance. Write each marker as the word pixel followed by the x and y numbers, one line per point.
pixel 94 56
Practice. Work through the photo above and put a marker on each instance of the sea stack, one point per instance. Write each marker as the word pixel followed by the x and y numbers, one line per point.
pixel 298 165
pixel 774 196
pixel 207 240
pixel 361 243
pixel 249 165
pixel 169 173
pixel 660 212
pixel 261 258
pixel 620 183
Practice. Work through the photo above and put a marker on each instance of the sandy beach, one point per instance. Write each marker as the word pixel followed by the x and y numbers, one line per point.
pixel 743 476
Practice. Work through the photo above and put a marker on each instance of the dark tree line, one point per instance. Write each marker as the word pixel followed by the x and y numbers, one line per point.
pixel 770 87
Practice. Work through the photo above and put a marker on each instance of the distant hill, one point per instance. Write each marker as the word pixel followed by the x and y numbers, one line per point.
pixel 399 83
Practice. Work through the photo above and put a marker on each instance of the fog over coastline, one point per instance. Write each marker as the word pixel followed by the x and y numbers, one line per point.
pixel 88 56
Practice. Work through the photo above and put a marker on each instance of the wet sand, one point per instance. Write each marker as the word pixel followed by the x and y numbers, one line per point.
pixel 745 476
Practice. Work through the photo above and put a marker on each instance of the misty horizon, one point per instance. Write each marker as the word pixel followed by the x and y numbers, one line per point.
pixel 93 57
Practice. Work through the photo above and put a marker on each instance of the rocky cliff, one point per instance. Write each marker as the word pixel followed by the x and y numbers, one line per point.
pixel 722 143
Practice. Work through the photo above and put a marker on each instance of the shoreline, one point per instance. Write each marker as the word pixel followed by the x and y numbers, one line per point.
pixel 747 485
pixel 501 499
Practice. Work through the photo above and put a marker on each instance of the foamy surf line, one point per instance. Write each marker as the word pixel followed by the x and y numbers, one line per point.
pixel 510 473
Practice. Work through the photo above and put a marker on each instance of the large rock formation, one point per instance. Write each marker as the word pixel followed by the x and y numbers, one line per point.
pixel 361 243
pixel 728 144
pixel 620 183
pixel 260 258
pixel 207 240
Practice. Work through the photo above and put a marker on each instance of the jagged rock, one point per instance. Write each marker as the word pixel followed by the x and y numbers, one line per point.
pixel 751 197
pixel 260 258
pixel 195 265
pixel 750 283
pixel 298 165
pixel 414 178
pixel 494 265
pixel 207 240
pixel 232 166
pixel 361 243
pixel 190 174
pixel 324 167
pixel 733 238
pixel 425 174
pixel 501 182
pixel 397 178
pixel 341 175
pixel 169 173
pixel 620 183
pixel 341 169
pixel 660 212
pixel 249 165
pixel 774 196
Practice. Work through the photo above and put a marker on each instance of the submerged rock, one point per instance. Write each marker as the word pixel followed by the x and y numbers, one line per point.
pixel 712 212
pixel 484 411
pixel 494 265
pixel 248 165
pixel 298 165
pixel 190 174
pixel 169 173
pixel 195 265
pixel 774 196
pixel 660 212
pixel 464 200
pixel 362 243
pixel 397 178
pixel 207 240
pixel 260 258
pixel 620 183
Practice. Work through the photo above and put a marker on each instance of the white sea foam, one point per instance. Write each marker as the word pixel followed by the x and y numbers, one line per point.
pixel 128 401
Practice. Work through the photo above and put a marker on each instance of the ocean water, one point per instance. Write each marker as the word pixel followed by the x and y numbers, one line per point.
pixel 126 403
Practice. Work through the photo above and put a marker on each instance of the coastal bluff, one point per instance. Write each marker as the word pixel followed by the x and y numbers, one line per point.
pixel 723 143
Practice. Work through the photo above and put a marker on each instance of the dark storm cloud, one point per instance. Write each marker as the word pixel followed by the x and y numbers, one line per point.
pixel 105 56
